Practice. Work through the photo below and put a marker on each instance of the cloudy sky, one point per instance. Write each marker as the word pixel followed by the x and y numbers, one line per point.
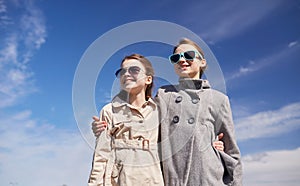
pixel 45 141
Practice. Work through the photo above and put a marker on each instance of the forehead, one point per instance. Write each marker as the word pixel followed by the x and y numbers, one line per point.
pixel 132 62
pixel 185 47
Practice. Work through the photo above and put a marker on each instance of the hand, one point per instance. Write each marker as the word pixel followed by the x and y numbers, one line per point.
pixel 219 145
pixel 98 126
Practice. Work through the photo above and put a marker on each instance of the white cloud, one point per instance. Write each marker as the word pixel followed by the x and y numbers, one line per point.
pixel 272 168
pixel 33 24
pixel 256 65
pixel 15 79
pixel 243 71
pixel 20 42
pixel 293 43
pixel 2 7
pixel 269 123
pixel 217 21
pixel 8 54
pixel 228 19
pixel 4 19
pixel 33 152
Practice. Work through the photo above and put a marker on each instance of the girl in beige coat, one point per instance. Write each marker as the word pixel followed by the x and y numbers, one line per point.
pixel 126 152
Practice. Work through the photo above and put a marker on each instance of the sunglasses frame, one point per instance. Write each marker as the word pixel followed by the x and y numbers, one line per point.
pixel 117 73
pixel 181 54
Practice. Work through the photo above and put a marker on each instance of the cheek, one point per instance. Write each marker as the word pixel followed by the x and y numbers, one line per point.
pixel 176 67
pixel 121 80
pixel 196 65
pixel 177 70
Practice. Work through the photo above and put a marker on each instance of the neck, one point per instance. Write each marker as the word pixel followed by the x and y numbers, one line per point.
pixel 138 99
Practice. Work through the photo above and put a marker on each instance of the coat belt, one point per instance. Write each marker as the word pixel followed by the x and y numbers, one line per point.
pixel 142 144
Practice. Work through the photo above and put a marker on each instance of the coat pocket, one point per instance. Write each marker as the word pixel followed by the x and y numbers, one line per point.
pixel 117 168
pixel 229 164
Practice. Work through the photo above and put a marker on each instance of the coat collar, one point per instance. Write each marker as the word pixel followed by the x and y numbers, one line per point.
pixel 119 102
pixel 189 83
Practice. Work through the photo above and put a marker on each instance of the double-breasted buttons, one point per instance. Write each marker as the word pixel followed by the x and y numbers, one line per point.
pixel 191 120
pixel 178 99
pixel 195 100
pixel 175 119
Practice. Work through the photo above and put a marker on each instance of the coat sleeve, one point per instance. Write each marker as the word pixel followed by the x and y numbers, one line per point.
pixel 231 156
pixel 100 173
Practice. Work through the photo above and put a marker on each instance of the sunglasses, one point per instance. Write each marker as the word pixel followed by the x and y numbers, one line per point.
pixel 133 71
pixel 188 55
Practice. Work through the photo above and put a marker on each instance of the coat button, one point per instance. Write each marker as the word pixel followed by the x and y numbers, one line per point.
pixel 178 99
pixel 195 101
pixel 175 119
pixel 191 120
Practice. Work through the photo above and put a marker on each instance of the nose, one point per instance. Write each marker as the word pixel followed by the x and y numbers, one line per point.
pixel 127 73
pixel 182 60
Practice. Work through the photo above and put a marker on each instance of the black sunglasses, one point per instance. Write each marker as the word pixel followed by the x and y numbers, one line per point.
pixel 133 70
pixel 188 55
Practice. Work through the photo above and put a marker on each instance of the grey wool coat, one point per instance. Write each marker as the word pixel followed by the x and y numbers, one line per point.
pixel 192 115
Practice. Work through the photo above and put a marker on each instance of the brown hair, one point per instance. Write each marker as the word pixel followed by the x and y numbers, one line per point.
pixel 190 42
pixel 149 70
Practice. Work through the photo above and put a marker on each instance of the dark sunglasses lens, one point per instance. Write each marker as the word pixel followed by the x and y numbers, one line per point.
pixel 134 70
pixel 175 58
pixel 189 55
pixel 120 72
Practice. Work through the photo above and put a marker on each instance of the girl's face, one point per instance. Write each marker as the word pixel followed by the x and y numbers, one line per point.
pixel 188 68
pixel 133 78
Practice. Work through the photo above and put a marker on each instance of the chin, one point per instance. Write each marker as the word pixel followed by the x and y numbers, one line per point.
pixel 183 74
pixel 129 87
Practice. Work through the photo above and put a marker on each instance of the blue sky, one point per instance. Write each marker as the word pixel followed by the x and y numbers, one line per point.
pixel 257 45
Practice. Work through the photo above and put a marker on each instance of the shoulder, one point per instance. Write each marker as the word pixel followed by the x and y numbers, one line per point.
pixel 219 94
pixel 106 108
pixel 168 88
pixel 164 93
pixel 214 97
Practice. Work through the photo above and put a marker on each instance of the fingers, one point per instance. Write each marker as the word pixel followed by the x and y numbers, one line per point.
pixel 219 145
pixel 220 136
pixel 95 118
pixel 98 131
pixel 98 126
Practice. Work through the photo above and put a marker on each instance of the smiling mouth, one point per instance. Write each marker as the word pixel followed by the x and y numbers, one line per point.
pixel 184 67
pixel 128 80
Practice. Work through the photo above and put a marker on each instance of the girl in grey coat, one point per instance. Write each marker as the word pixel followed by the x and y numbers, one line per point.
pixel 192 114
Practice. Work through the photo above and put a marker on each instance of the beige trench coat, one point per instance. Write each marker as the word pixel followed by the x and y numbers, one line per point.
pixel 126 152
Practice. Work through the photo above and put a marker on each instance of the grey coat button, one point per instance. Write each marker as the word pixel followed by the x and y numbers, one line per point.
pixel 178 99
pixel 175 119
pixel 195 101
pixel 191 120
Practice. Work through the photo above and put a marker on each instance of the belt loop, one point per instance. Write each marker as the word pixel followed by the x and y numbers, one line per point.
pixel 146 144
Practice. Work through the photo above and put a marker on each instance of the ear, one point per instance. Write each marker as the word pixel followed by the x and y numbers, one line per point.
pixel 149 80
pixel 203 63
